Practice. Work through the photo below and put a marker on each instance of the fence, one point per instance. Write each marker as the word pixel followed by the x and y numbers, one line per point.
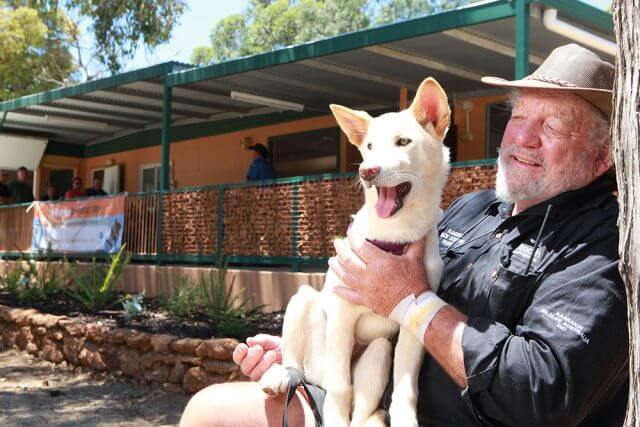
pixel 290 221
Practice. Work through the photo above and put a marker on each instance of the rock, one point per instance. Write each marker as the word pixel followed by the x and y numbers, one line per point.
pixel 173 388
pixel 138 340
pixel 71 346
pixel 97 332
pixel 160 342
pixel 4 313
pixel 90 357
pixel 189 360
pixel 219 367
pixel 9 336
pixel 40 330
pixel 110 356
pixel 157 375
pixel 24 337
pixel 45 320
pixel 177 373
pixel 73 328
pixel 116 336
pixel 197 378
pixel 21 317
pixel 55 334
pixel 153 359
pixel 221 349
pixel 51 351
pixel 130 362
pixel 185 345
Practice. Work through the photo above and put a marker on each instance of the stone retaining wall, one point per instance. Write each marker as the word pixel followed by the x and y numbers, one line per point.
pixel 178 364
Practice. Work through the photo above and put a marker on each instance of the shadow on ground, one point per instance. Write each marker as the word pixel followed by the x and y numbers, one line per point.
pixel 39 393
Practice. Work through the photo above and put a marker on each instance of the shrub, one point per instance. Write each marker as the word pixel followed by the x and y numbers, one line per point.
pixel 183 301
pixel 96 289
pixel 12 280
pixel 132 306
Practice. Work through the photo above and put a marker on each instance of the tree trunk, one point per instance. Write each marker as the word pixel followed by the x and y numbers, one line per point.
pixel 626 154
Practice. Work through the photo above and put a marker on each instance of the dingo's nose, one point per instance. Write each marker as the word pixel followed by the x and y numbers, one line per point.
pixel 369 173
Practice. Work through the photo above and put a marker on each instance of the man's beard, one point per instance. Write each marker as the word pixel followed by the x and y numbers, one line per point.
pixel 544 187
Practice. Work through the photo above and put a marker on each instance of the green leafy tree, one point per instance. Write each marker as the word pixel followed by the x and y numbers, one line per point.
pixel 271 24
pixel 398 10
pixel 32 58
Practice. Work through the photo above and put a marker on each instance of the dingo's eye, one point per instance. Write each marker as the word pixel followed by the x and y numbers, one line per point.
pixel 369 146
pixel 401 142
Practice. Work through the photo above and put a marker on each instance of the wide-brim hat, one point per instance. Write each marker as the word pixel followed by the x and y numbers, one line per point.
pixel 570 68
pixel 260 148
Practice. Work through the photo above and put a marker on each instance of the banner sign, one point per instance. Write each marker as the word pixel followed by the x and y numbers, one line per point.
pixel 88 225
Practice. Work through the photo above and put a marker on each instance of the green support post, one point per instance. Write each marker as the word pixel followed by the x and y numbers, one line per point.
pixel 522 38
pixel 164 163
pixel 4 117
pixel 294 227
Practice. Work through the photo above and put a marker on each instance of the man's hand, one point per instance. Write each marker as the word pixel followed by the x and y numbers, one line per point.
pixel 375 278
pixel 258 355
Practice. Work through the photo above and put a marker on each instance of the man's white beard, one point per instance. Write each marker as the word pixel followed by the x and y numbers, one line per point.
pixel 540 189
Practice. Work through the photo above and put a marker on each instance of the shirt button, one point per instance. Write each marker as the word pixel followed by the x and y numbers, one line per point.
pixel 494 273
pixel 498 235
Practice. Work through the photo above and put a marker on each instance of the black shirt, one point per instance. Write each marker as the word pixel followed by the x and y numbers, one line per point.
pixel 90 192
pixel 544 345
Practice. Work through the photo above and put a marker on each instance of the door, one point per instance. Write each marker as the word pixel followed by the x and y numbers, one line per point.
pixel 61 179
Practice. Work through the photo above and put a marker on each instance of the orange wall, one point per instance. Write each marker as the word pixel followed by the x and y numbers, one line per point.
pixel 474 148
pixel 50 163
pixel 221 159
pixel 214 159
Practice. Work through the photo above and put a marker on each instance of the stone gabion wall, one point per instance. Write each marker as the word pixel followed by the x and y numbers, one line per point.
pixel 325 209
pixel 179 364
pixel 257 220
pixel 189 223
pixel 463 180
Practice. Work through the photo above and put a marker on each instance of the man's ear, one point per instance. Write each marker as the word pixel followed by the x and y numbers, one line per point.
pixel 430 106
pixel 353 123
pixel 603 159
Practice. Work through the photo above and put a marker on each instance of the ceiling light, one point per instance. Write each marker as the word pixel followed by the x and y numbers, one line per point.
pixel 269 102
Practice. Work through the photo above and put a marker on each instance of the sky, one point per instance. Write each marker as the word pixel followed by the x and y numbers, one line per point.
pixel 197 22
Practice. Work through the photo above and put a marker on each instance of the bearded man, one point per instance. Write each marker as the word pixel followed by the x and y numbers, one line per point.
pixel 534 329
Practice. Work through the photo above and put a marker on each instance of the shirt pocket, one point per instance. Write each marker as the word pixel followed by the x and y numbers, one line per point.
pixel 509 296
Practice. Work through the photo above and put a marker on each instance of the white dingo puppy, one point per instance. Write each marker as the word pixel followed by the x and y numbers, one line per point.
pixel 404 169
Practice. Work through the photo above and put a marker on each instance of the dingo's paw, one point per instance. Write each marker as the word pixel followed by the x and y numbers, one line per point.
pixel 403 416
pixel 275 381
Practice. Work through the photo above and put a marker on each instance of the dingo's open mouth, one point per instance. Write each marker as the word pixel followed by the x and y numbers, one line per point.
pixel 390 199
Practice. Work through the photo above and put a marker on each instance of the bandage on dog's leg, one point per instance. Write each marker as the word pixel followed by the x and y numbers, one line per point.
pixel 370 377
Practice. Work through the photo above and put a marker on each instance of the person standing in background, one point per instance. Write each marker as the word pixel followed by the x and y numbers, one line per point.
pixel 20 188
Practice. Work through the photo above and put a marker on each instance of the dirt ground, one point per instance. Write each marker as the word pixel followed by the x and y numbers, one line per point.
pixel 34 392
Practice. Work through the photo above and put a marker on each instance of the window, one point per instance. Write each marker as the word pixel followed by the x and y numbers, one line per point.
pixel 498 115
pixel 149 177
pixel 306 153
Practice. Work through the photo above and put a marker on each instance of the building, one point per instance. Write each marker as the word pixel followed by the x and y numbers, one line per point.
pixel 174 137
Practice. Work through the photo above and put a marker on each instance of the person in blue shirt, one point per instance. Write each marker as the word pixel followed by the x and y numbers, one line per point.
pixel 260 167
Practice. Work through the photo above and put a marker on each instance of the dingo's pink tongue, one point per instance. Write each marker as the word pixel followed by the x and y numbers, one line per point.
pixel 386 201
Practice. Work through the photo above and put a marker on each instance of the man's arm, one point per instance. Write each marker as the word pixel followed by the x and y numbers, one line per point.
pixel 568 351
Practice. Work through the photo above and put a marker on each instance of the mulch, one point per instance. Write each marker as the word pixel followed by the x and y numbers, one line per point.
pixel 154 319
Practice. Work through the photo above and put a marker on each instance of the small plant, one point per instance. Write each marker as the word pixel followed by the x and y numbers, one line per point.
pixel 132 306
pixel 230 312
pixel 96 289
pixel 12 280
pixel 183 301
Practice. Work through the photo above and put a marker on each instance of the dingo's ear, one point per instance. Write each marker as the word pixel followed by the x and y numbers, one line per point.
pixel 353 123
pixel 431 106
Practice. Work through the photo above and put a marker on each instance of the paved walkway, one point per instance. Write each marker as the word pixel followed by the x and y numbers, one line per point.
pixel 39 393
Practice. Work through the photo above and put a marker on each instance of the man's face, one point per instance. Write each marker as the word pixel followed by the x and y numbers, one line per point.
pixel 547 148
pixel 21 174
pixel 77 184
pixel 97 184
pixel 4 177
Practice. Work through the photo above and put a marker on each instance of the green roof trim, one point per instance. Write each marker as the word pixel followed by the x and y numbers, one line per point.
pixel 152 137
pixel 457 18
pixel 56 148
pixel 583 12
pixel 154 71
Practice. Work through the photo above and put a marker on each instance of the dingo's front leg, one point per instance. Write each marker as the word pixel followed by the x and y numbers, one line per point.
pixel 341 320
pixel 296 335
pixel 407 362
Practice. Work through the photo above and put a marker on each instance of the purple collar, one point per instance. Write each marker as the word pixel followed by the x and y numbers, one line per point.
pixel 394 248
